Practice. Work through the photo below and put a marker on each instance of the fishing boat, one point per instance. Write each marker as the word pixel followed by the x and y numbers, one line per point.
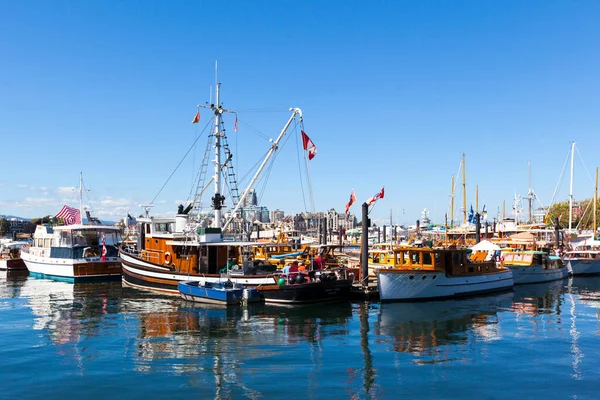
pixel 10 255
pixel 74 252
pixel 425 273
pixel 583 262
pixel 534 266
pixel 226 293
pixel 181 249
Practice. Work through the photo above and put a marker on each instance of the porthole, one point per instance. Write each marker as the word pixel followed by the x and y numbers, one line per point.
pixel 411 277
pixel 424 276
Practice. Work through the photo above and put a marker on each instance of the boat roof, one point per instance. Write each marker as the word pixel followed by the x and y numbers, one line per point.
pixel 14 244
pixel 583 251
pixel 85 227
pixel 211 244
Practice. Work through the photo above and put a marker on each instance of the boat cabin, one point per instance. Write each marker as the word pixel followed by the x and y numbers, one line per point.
pixel 75 241
pixel 449 261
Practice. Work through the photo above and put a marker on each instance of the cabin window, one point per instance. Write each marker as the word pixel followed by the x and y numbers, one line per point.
pixel 456 259
pixel 437 257
pixel 427 259
pixel 148 228
pixel 414 258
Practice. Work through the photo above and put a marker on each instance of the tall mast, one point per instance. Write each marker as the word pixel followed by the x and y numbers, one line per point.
pixel 464 178
pixel 452 204
pixel 218 198
pixel 476 198
pixel 571 189
pixel 529 191
pixel 595 205
pixel 81 197
pixel 503 209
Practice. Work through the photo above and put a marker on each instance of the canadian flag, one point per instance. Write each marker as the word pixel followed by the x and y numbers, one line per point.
pixel 308 144
pixel 352 200
pixel 103 248
pixel 376 197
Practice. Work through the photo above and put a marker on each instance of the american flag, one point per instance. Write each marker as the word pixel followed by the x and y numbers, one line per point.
pixel 70 215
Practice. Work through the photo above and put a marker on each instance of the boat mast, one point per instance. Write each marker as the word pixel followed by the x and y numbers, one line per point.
pixel 529 191
pixel 452 204
pixel 571 188
pixel 464 178
pixel 595 205
pixel 274 147
pixel 476 199
pixel 218 199
pixel 81 197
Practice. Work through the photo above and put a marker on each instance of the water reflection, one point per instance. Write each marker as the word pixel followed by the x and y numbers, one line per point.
pixel 429 328
pixel 539 298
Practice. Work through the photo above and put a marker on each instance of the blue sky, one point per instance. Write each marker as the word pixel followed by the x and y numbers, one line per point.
pixel 392 93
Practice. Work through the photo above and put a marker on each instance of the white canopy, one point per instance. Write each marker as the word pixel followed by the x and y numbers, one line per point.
pixel 485 245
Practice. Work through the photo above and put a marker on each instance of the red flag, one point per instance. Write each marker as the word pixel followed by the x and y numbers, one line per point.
pixel 235 124
pixel 376 197
pixel 308 144
pixel 196 118
pixel 352 200
pixel 103 248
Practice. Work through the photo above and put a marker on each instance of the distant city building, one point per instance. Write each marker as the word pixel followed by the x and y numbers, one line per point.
pixel 14 224
pixel 251 199
pixel 276 216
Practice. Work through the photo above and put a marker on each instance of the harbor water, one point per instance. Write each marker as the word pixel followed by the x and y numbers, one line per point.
pixel 102 340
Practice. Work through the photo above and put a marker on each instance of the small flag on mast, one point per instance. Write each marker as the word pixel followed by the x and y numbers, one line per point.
pixel 103 248
pixel 235 124
pixel 196 118
pixel 308 144
pixel 376 197
pixel 352 200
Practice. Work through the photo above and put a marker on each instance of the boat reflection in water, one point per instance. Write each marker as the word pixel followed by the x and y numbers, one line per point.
pixel 426 328
pixel 67 311
pixel 539 298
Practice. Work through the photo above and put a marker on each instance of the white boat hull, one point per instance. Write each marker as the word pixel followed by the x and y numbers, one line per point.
pixel 536 274
pixel 71 269
pixel 397 285
pixel 584 267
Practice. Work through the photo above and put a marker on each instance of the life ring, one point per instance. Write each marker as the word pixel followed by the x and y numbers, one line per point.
pixel 167 258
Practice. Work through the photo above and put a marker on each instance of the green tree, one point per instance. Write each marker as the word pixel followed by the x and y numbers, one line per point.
pixel 4 226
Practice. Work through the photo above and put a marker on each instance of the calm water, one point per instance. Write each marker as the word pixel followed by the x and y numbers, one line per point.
pixel 60 340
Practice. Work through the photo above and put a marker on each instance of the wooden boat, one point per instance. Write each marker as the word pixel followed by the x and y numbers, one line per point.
pixel 425 273
pixel 226 293
pixel 173 250
pixel 10 257
pixel 534 266
pixel 583 262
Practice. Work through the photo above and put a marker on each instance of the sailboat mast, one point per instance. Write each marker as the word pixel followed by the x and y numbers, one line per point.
pixel 595 206
pixel 218 198
pixel 476 198
pixel 529 191
pixel 464 184
pixel 571 189
pixel 452 204
pixel 81 197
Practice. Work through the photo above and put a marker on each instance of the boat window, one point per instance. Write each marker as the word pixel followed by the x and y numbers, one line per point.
pixel 427 260
pixel 414 258
pixel 437 258
pixel 528 257
pixel 456 259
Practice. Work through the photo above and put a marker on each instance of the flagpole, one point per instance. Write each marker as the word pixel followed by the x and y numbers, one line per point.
pixel 464 178
pixel 81 197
